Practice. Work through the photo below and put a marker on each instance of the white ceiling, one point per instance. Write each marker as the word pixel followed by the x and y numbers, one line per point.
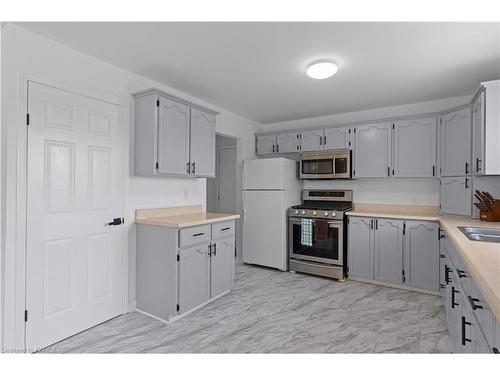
pixel 257 69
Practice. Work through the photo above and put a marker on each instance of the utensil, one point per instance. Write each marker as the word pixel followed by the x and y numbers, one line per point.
pixel 482 206
pixel 490 197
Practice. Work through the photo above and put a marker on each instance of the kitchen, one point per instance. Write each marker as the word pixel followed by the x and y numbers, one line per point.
pixel 362 224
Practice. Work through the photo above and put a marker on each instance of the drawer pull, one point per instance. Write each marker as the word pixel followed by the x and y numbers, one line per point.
pixel 461 273
pixel 198 234
pixel 223 229
pixel 473 303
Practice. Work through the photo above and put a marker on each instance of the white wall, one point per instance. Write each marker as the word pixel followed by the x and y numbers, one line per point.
pixel 26 53
pixel 421 191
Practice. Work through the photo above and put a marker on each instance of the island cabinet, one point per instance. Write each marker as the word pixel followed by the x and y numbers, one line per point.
pixel 471 322
pixel 400 253
pixel 172 136
pixel 181 269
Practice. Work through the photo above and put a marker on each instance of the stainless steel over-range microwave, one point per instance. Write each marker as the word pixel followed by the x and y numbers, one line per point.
pixel 326 165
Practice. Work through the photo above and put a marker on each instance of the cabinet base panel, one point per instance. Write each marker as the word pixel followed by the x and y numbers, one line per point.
pixel 404 287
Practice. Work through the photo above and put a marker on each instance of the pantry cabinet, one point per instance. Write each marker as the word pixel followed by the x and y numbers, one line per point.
pixel 415 147
pixel 172 137
pixel 373 150
pixel 456 143
pixel 456 196
pixel 394 251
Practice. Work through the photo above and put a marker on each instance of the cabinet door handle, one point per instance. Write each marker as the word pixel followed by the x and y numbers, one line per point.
pixel 466 168
pixel 320 140
pixel 466 183
pixel 324 139
pixel 461 274
pixel 214 251
pixel 473 303
pixel 223 229
pixel 464 323
pixel 433 170
pixel 188 170
pixel 388 171
pixel 478 168
pixel 371 223
pixel 209 249
pixel 453 291
pixel 376 224
pixel 193 167
pixel 495 350
pixel 447 271
pixel 198 234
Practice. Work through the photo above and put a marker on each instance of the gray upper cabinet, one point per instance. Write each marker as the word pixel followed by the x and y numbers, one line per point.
pixel 360 245
pixel 266 144
pixel 202 149
pixel 194 276
pixel 373 154
pixel 421 255
pixel 388 250
pixel 312 140
pixel 171 135
pixel 222 266
pixel 337 138
pixel 456 143
pixel 456 196
pixel 478 136
pixel 415 147
pixel 287 142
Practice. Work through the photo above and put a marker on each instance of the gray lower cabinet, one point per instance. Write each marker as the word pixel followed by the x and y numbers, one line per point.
pixel 471 323
pixel 421 255
pixel 389 250
pixel 397 252
pixel 360 247
pixel 373 150
pixel 194 276
pixel 456 195
pixel 181 269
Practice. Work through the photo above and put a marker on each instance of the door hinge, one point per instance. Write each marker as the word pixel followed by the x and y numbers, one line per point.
pixel 25 315
pixel 178 307
pixel 157 102
pixel 178 257
pixel 27 118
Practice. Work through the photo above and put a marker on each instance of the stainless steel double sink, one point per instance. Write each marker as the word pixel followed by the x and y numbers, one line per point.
pixel 481 234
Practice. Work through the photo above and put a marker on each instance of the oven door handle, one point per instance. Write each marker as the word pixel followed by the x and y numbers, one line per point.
pixel 298 221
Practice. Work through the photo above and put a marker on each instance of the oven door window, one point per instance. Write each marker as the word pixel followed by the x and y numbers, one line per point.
pixel 317 166
pixel 316 240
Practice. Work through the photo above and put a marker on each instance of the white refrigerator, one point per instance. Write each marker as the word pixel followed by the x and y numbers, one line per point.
pixel 270 187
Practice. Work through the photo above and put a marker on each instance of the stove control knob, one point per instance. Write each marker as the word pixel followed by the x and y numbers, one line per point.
pixel 314 213
pixel 297 212
pixel 333 214
pixel 303 212
pixel 325 213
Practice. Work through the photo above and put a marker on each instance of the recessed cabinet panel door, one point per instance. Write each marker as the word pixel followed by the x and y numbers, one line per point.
pixel 202 143
pixel 287 142
pixel 222 266
pixel 373 150
pixel 456 196
pixel 456 143
pixel 360 253
pixel 173 137
pixel 415 147
pixel 266 144
pixel 76 170
pixel 389 250
pixel 422 255
pixel 336 138
pixel 478 134
pixel 194 277
pixel 312 140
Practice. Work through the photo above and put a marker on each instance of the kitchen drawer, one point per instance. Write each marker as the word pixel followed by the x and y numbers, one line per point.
pixel 482 311
pixel 194 235
pixel 224 229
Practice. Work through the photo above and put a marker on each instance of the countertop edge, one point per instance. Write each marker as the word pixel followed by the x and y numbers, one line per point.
pixel 393 216
pixel 194 223
pixel 484 287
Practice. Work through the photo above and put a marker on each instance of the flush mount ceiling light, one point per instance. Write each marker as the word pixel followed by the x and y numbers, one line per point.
pixel 321 69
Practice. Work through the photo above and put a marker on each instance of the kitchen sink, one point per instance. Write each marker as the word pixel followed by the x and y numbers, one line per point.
pixel 481 234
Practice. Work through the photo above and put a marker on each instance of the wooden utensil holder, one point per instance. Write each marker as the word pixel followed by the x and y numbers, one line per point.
pixel 493 214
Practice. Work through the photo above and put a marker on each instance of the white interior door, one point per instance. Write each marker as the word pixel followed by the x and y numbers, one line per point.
pixel 226 180
pixel 74 270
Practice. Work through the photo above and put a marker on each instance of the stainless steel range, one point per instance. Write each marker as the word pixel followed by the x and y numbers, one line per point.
pixel 317 239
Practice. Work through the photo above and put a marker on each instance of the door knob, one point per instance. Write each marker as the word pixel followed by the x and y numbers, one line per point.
pixel 116 221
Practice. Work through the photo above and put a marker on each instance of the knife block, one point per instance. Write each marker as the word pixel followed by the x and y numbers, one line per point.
pixel 493 214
